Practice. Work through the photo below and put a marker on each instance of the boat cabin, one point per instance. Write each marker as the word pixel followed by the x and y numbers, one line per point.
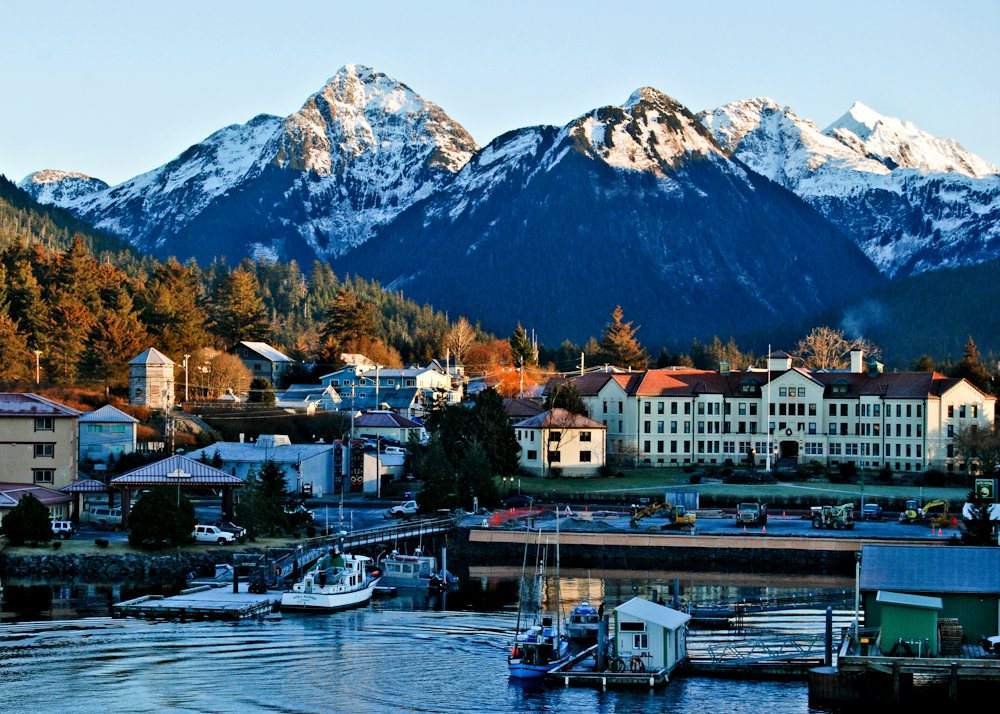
pixel 650 634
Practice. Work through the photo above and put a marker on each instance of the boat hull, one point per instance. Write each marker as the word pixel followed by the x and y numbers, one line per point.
pixel 522 670
pixel 327 602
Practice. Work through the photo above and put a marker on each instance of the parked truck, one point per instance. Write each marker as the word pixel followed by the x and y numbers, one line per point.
pixel 836 517
pixel 751 514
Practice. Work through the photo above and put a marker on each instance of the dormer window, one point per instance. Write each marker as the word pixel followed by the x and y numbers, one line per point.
pixel 839 387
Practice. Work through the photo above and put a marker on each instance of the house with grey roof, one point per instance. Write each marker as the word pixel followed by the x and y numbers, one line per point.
pixel 106 434
pixel 386 424
pixel 307 397
pixel 264 361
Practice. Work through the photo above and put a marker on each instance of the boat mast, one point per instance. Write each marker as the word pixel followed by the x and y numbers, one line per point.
pixel 558 592
pixel 520 590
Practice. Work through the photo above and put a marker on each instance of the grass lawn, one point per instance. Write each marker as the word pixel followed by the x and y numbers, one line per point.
pixel 656 481
pixel 86 546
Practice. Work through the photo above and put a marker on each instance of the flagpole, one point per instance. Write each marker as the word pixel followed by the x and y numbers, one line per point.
pixel 767 411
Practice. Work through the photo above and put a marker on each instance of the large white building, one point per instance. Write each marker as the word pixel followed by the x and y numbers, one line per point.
pixel 559 440
pixel 906 420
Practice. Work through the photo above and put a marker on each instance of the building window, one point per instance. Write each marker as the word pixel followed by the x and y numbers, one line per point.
pixel 584 436
pixel 687 407
pixel 812 410
pixel 43 475
pixel 645 447
pixel 604 406
pixel 659 426
pixel 647 408
pixel 961 412
pixel 45 424
pixel 659 407
pixel 621 407
pixel 673 407
pixel 802 391
pixel 585 457
pixel 782 392
pixel 532 455
pixel 975 411
pixel 647 427
pixel 753 409
pixel 45 451
pixel 951 411
pixel 553 457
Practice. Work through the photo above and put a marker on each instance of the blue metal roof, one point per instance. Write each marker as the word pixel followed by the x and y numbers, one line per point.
pixel 931 569
pixel 177 470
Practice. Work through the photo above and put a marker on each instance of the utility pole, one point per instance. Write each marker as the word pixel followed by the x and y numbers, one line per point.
pixel 186 358
pixel 767 411
pixel 581 363
pixel 377 368
pixel 520 389
pixel 38 369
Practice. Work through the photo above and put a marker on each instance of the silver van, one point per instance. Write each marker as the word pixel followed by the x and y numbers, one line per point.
pixel 103 517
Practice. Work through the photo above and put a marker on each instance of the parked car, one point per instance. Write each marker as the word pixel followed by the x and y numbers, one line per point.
pixel 229 527
pixel 212 534
pixel 63 529
pixel 300 512
pixel 103 517
pixel 404 509
pixel 871 512
pixel 395 450
pixel 991 644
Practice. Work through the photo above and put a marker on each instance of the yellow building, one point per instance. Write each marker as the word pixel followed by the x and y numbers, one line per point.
pixel 558 440
pixel 38 441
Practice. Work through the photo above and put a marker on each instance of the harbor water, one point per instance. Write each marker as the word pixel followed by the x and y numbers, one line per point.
pixel 413 652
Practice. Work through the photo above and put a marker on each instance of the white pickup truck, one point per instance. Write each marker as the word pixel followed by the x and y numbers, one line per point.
pixel 212 534
pixel 403 510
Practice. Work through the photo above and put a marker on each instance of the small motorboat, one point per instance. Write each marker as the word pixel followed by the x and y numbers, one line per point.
pixel 537 651
pixel 583 623
pixel 414 571
pixel 336 582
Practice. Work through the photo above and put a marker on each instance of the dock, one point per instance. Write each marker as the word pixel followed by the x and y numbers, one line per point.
pixel 580 671
pixel 205 602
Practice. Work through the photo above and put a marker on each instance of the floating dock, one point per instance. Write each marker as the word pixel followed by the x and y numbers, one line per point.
pixel 206 602
pixel 580 671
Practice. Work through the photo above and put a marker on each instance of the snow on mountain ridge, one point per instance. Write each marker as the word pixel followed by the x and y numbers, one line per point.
pixel 58 187
pixel 906 145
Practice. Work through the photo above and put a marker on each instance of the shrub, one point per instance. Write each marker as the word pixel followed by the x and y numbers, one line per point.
pixel 555 472
pixel 885 474
pixel 688 469
pixel 28 521
pixel 933 477
pixel 158 519
pixel 606 471
pixel 694 478
pixel 101 542
pixel 846 473
pixel 56 544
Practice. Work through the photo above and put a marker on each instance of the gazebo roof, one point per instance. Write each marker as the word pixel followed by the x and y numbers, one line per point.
pixel 177 470
pixel 85 486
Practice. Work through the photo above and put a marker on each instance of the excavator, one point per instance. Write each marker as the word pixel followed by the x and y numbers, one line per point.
pixel 934 512
pixel 677 516
pixel 836 517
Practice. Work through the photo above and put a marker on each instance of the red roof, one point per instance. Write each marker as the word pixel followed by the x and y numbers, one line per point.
pixel 559 418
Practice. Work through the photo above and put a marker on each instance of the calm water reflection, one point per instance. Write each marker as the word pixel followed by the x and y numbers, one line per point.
pixel 401 654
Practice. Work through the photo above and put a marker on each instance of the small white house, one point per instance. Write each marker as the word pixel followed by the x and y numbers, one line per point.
pixel 151 380
pixel 559 439
pixel 105 433
pixel 654 634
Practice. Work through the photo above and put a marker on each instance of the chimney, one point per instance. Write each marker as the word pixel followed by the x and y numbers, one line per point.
pixel 723 366
pixel 857 361
pixel 779 361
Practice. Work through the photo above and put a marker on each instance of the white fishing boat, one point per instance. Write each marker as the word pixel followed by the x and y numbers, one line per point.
pixel 336 582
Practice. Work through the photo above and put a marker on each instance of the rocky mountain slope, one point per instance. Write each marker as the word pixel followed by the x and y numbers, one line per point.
pixel 913 202
pixel 634 204
pixel 315 183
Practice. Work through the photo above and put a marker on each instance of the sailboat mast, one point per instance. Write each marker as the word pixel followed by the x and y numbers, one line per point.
pixel 520 591
pixel 558 591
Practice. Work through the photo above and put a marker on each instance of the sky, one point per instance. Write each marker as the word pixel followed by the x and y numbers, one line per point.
pixel 113 89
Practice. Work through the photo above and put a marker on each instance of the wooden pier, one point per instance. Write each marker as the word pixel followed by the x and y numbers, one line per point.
pixel 205 602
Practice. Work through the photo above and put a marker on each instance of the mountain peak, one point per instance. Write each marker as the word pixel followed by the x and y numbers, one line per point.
pixel 900 143
pixel 60 187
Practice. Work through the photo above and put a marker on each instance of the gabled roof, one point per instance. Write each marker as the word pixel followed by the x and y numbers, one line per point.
pixel 22 404
pixel 109 415
pixel 177 470
pixel 12 493
pixel 254 453
pixel 931 569
pixel 85 486
pixel 651 612
pixel 151 356
pixel 921 601
pixel 266 351
pixel 559 419
pixel 520 408
pixel 385 420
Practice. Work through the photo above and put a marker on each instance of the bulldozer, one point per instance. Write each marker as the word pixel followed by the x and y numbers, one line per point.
pixel 835 517
pixel 934 512
pixel 677 516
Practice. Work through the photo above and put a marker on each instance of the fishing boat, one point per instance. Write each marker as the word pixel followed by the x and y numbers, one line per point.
pixel 582 624
pixel 336 582
pixel 541 646
pixel 414 571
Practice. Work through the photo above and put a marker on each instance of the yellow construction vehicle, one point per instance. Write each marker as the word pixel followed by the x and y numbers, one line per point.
pixel 836 517
pixel 677 516
pixel 934 512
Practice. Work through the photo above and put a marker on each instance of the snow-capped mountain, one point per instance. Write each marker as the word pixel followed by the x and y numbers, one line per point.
pixel 913 202
pixel 633 204
pixel 315 183
pixel 60 187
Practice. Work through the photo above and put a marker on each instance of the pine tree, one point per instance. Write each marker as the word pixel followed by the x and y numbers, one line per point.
pixel 24 303
pixel 520 345
pixel 619 345
pixel 348 319
pixel 971 366
pixel 14 354
pixel 171 309
pixel 117 337
pixel 238 309
pixel 70 322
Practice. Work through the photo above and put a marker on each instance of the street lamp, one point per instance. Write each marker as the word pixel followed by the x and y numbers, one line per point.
pixel 186 358
pixel 38 371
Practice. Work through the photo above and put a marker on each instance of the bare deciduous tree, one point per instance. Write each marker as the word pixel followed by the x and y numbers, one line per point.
pixel 460 338
pixel 828 348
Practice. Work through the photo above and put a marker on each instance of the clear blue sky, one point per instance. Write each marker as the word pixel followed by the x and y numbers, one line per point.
pixel 117 88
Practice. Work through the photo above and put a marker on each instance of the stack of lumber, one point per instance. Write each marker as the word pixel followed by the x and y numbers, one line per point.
pixel 950 636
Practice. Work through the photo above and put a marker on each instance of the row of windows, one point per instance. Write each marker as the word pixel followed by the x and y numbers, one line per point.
pixel 811 448
pixel 555 456
pixel 972 411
